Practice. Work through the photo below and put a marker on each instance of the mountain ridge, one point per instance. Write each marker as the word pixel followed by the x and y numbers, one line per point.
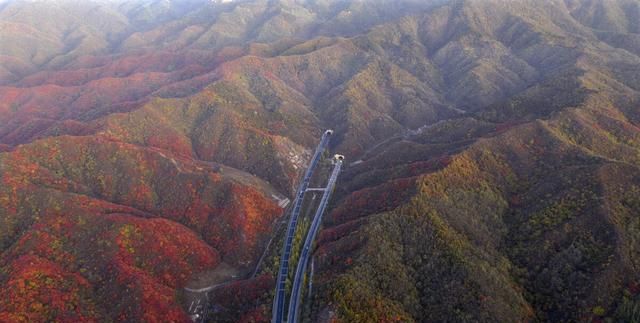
pixel 492 157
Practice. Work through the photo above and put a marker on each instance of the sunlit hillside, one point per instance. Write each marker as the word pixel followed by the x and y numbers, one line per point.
pixel 492 168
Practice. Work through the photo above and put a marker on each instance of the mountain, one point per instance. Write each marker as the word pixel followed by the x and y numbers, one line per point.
pixel 493 157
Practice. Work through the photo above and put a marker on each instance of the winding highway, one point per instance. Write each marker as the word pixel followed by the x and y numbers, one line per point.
pixel 280 293
pixel 294 302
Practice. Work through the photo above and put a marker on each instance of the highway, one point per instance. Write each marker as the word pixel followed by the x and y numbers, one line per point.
pixel 294 302
pixel 280 293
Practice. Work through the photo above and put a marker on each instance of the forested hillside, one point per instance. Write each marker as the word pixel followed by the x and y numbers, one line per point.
pixel 492 171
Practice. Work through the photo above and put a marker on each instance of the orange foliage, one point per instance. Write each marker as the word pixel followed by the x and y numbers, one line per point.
pixel 39 290
pixel 167 251
pixel 244 222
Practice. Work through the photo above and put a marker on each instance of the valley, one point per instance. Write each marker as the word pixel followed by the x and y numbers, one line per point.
pixel 492 172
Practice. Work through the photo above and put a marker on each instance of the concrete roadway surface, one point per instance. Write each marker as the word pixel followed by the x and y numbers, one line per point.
pixel 280 293
pixel 294 302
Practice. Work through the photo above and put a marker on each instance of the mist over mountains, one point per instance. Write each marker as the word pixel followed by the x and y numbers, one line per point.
pixel 492 157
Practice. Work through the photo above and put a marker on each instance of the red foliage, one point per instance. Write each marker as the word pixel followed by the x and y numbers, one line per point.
pixel 156 302
pixel 373 200
pixel 99 85
pixel 244 222
pixel 258 314
pixel 244 290
pixel 337 232
pixel 169 139
pixel 38 290
pixel 334 255
pixel 634 287
pixel 106 210
pixel 515 200
pixel 244 298
pixel 167 251
pixel 503 127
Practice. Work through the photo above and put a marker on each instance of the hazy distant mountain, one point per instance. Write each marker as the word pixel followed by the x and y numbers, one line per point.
pixel 493 152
